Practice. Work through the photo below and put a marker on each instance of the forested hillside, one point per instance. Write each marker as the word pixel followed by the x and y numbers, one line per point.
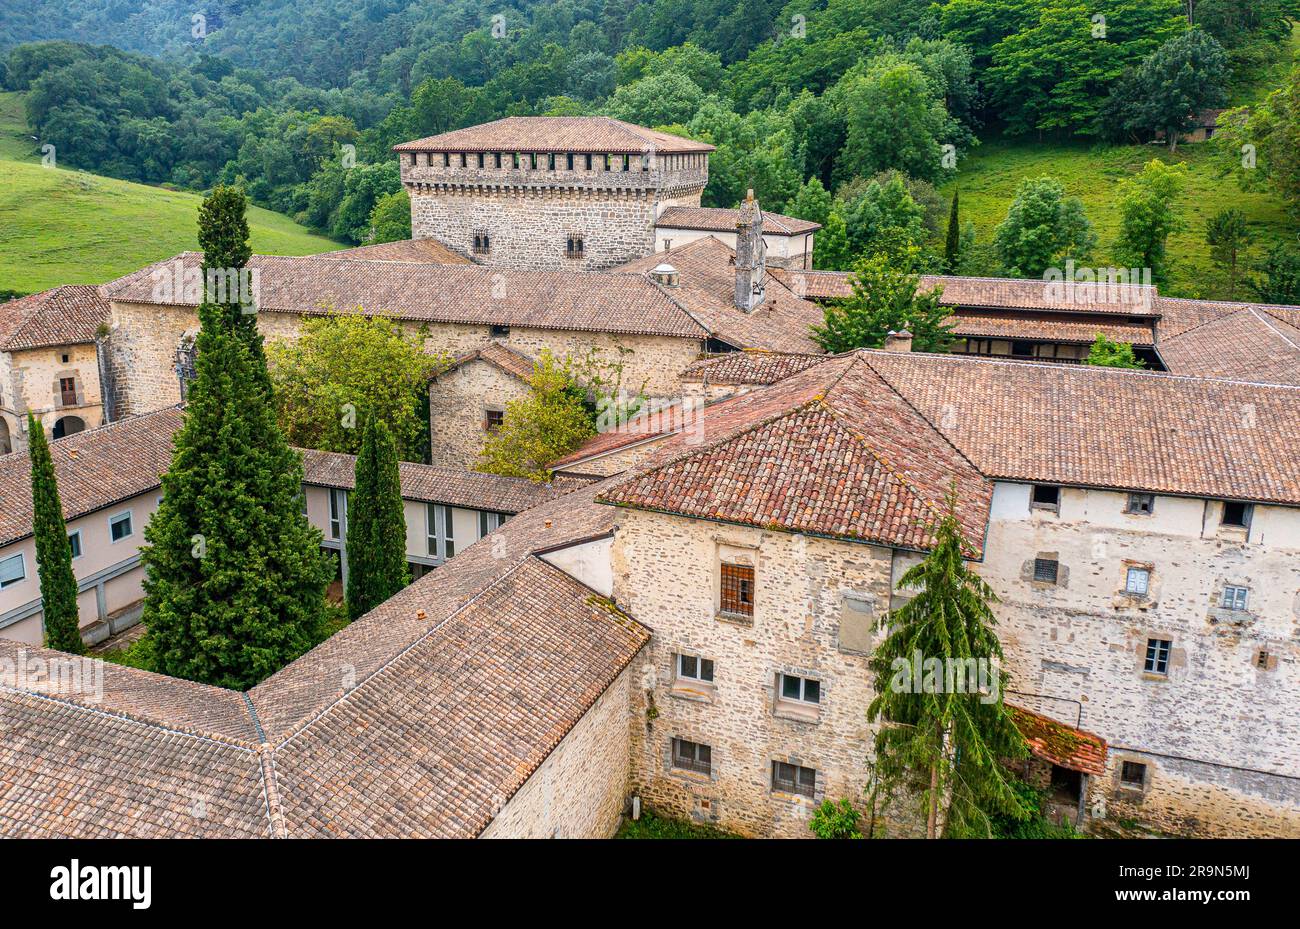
pixel 864 115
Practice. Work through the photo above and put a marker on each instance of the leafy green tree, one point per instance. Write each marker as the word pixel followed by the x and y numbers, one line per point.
pixel 812 202
pixel 1261 145
pixel 886 297
pixel 1166 93
pixel 1279 277
pixel 390 220
pixel 952 244
pixel 1148 216
pixel 345 362
pixel 946 744
pixel 1043 229
pixel 1228 235
pixel 894 120
pixel 831 250
pixel 754 151
pixel 53 551
pixel 235 578
pixel 657 100
pixel 551 421
pixel 884 214
pixel 376 523
pixel 835 820
pixel 1108 354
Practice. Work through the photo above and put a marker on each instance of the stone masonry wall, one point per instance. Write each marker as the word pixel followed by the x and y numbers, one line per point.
pixel 458 405
pixel 580 789
pixel 29 381
pixel 666 573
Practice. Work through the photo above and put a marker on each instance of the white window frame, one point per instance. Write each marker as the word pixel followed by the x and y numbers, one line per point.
pixel 1229 599
pixel 802 698
pixel 1153 657
pixel 698 677
pixel 81 548
pixel 22 566
pixel 1143 586
pixel 338 513
pixel 440 531
pixel 489 521
pixel 117 518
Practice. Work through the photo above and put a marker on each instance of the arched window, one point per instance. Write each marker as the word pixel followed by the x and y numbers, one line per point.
pixel 68 425
pixel 6 443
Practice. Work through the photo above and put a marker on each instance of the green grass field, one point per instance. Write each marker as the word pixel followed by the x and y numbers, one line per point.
pixel 989 176
pixel 61 226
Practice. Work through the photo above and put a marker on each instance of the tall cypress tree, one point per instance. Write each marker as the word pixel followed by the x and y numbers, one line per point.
pixel 941 738
pixel 376 524
pixel 952 248
pixel 53 551
pixel 235 584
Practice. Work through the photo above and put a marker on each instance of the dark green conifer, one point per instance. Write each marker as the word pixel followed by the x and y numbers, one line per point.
pixel 376 524
pixel 53 551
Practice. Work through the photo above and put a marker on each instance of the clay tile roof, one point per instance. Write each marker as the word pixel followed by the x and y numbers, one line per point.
pixel 102 467
pixel 713 219
pixel 555 134
pixel 996 293
pixel 418 251
pixel 63 316
pixel 706 290
pixel 1243 342
pixel 1060 744
pixel 1075 329
pixel 829 451
pixel 589 301
pixel 749 367
pixel 507 359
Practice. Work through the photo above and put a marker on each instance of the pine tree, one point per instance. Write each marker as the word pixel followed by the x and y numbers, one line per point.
pixel 376 524
pixel 53 551
pixel 952 248
pixel 946 743
pixel 235 584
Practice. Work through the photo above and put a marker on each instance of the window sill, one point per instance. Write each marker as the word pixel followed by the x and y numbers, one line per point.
pixel 801 799
pixel 736 619
pixel 686 774
pixel 797 712
pixel 1152 676
pixel 698 693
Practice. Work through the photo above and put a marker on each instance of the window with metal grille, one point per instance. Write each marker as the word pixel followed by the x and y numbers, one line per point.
pixel 493 419
pixel 693 668
pixel 482 243
pixel 1158 656
pixel 1046 570
pixel 1133 774
pixel 1140 504
pixel 803 689
pixel 1235 598
pixel 738 589
pixel 1261 660
pixel 1138 581
pixel 692 756
pixel 793 778
pixel 574 247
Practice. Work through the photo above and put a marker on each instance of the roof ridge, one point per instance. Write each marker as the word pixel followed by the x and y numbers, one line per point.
pixel 1268 320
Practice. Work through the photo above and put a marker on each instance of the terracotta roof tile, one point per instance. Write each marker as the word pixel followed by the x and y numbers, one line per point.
pixel 588 301
pixel 418 251
pixel 1060 744
pixel 62 316
pixel 503 357
pixel 1246 343
pixel 554 134
pixel 1073 330
pixel 714 219
pixel 749 367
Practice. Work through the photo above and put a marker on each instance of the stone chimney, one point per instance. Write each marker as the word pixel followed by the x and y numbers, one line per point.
pixel 664 273
pixel 898 341
pixel 751 253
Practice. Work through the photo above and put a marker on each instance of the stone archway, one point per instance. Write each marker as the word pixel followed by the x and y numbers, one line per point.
pixel 6 443
pixel 68 425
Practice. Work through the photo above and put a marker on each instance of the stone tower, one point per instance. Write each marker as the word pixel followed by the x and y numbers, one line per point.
pixel 550 192
pixel 751 255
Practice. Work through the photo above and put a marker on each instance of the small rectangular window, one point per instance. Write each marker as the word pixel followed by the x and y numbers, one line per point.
pixel 500 332
pixel 1046 570
pixel 338 508
pixel 1140 504
pixel 1133 774
pixel 694 668
pixel 574 247
pixel 692 756
pixel 1157 661
pixel 119 526
pixel 1235 598
pixel 738 589
pixel 1046 496
pixel 493 420
pixel 794 779
pixel 1138 581
pixel 489 522
pixel 74 543
pixel 482 243
pixel 13 570
pixel 1237 515
pixel 802 689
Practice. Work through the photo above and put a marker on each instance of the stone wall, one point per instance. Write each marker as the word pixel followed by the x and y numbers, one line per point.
pixel 666 574
pixel 143 345
pixel 458 405
pixel 580 789
pixel 29 382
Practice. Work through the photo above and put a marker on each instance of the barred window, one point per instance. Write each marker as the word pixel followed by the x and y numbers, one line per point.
pixel 1046 570
pixel 482 243
pixel 493 420
pixel 574 247
pixel 738 589
pixel 794 779
pixel 1133 774
pixel 692 756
